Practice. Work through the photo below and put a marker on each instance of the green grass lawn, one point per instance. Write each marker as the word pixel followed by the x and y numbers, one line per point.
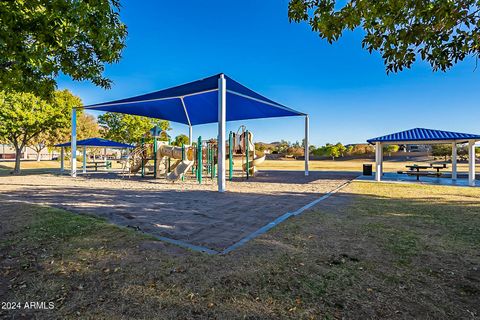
pixel 35 167
pixel 371 251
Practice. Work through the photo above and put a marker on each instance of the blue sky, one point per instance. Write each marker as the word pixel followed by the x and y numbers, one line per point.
pixel 344 88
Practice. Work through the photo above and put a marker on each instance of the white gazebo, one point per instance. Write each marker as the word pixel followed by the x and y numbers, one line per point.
pixel 428 136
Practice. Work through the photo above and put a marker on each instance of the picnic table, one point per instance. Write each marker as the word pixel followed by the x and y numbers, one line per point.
pixel 439 166
pixel 102 164
pixel 418 167
pixel 415 170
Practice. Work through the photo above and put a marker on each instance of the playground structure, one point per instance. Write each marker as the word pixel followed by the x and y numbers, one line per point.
pixel 173 163
pixel 216 99
pixel 240 145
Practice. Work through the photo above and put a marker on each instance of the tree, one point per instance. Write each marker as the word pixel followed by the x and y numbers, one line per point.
pixel 180 140
pixel 295 151
pixel 439 32
pixel 349 150
pixel 128 128
pixel 24 116
pixel 87 127
pixel 341 149
pixel 41 39
pixel 443 150
pixel 282 147
pixel 390 148
pixel 38 143
pixel 259 146
pixel 332 151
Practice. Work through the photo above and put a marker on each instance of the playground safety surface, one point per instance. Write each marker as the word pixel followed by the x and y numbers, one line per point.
pixel 186 212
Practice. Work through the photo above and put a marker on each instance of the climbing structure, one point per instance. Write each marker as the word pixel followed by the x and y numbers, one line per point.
pixel 240 145
pixel 198 160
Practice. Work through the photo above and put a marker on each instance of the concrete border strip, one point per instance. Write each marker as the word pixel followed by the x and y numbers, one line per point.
pixel 187 245
pixel 282 218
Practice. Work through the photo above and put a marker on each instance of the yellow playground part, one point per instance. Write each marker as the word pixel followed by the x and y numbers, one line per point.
pixel 181 167
pixel 172 162
pixel 143 157
pixel 252 165
pixel 243 145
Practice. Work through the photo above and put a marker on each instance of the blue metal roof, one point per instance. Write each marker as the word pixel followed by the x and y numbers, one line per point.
pixel 200 103
pixel 422 134
pixel 97 142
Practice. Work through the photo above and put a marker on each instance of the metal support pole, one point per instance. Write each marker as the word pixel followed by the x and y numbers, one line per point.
pixel 73 170
pixel 62 160
pixel 142 157
pixel 454 161
pixel 208 159
pixel 155 157
pixel 378 161
pixel 195 158
pixel 307 151
pixel 471 163
pixel 105 158
pixel 212 161
pixel 183 159
pixel 214 166
pixel 247 148
pixel 222 116
pixel 190 135
pixel 169 159
pixel 200 161
pixel 84 159
pixel 230 156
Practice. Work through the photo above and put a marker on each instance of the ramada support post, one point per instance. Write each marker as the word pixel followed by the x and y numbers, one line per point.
pixel 307 151
pixel 190 135
pixel 471 163
pixel 378 161
pixel 105 157
pixel 454 160
pixel 222 116
pixel 73 157
pixel 62 160
pixel 84 160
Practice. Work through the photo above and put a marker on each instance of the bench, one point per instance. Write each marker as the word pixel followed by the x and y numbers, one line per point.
pixel 421 173
pixel 97 165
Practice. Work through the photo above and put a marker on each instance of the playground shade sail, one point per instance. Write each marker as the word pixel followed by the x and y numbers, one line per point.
pixel 97 142
pixel 422 134
pixel 197 103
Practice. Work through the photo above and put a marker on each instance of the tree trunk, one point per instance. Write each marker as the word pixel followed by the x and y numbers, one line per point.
pixel 18 154
pixel 39 155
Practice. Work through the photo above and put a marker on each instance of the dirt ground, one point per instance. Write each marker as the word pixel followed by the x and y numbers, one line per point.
pixel 371 251
pixel 184 211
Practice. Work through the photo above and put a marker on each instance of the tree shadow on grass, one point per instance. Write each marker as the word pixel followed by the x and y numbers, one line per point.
pixel 339 259
pixel 204 218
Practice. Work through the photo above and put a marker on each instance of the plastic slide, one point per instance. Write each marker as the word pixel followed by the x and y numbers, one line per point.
pixel 136 167
pixel 180 169
pixel 165 150
pixel 253 164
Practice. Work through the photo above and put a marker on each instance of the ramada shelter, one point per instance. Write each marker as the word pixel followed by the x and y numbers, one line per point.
pixel 428 136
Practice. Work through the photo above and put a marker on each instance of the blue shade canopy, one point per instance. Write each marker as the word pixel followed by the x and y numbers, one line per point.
pixel 425 135
pixel 97 142
pixel 197 103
